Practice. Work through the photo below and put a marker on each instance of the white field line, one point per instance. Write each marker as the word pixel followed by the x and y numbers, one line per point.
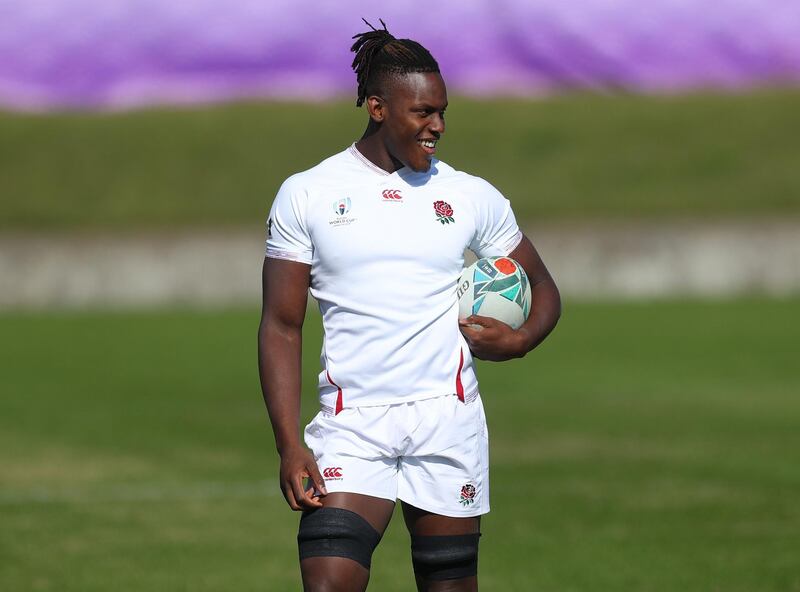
pixel 140 492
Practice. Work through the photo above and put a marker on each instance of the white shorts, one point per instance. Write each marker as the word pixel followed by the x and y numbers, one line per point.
pixel 432 454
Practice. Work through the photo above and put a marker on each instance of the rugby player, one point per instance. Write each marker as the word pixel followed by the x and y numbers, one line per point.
pixel 377 233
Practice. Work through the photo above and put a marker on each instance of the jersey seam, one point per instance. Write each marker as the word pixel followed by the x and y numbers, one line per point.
pixel 508 250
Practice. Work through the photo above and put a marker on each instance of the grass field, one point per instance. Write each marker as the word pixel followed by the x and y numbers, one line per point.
pixel 565 157
pixel 645 447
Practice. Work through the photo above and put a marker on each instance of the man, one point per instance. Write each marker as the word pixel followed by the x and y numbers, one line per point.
pixel 401 417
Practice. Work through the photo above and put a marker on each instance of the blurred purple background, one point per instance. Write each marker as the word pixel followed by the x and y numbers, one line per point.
pixel 121 53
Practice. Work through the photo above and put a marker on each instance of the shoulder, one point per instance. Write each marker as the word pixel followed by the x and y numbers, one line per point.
pixel 328 171
pixel 467 183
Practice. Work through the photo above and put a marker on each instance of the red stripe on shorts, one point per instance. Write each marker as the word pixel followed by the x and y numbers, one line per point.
pixel 459 386
pixel 339 401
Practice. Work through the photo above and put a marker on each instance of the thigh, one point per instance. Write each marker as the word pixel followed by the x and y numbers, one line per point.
pixel 424 523
pixel 340 573
pixel 454 545
pixel 446 468
pixel 376 511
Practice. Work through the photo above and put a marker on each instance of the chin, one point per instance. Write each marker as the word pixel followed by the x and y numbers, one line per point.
pixel 421 167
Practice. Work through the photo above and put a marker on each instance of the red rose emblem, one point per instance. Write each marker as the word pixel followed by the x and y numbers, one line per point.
pixel 468 492
pixel 444 213
pixel 443 208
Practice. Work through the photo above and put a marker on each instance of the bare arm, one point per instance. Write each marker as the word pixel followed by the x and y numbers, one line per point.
pixel 497 341
pixel 285 296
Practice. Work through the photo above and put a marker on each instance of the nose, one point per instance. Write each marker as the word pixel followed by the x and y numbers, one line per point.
pixel 437 124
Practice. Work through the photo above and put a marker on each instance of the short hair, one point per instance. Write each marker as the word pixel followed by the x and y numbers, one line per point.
pixel 379 53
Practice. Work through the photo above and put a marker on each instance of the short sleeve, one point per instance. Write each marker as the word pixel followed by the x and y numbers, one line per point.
pixel 496 229
pixel 287 229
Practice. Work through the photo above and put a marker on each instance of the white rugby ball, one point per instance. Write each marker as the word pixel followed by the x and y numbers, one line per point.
pixel 495 287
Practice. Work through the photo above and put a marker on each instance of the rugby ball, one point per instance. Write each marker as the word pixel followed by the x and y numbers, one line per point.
pixel 495 287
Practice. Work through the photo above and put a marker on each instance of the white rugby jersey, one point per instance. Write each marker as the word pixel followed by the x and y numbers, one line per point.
pixel 386 251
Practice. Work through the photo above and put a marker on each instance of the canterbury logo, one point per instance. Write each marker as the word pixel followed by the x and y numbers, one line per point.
pixel 392 194
pixel 332 473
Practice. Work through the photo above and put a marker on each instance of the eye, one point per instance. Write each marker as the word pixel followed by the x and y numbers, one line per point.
pixel 423 113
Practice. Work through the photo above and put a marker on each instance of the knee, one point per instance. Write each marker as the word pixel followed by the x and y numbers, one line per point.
pixel 449 557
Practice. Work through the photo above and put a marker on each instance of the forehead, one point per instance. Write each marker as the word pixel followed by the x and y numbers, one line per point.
pixel 418 87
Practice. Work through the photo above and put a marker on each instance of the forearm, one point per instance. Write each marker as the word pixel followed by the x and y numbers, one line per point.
pixel 279 355
pixel 545 300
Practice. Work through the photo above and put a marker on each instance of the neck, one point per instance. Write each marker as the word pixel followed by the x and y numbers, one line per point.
pixel 372 147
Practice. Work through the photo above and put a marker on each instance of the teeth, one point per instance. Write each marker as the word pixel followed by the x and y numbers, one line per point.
pixel 428 143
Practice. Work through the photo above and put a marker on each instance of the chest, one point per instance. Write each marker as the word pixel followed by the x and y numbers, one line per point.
pixel 428 227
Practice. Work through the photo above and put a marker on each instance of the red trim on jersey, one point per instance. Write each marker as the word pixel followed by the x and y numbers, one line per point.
pixel 459 386
pixel 339 401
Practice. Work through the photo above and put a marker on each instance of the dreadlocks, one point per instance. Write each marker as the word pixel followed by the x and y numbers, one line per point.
pixel 379 53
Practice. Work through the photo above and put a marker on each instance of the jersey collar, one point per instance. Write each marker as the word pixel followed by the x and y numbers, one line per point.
pixel 368 163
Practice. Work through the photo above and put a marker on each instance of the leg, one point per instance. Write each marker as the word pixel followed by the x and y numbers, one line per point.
pixel 444 550
pixel 335 547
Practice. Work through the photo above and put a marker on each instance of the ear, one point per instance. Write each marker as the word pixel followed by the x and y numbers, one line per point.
pixel 376 107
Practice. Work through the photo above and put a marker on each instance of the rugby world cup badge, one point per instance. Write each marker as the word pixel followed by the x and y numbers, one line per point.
pixel 341 208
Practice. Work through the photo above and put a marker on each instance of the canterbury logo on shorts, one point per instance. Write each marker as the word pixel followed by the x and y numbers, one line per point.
pixel 334 473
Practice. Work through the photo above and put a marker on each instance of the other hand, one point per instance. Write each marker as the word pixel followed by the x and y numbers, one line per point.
pixel 297 465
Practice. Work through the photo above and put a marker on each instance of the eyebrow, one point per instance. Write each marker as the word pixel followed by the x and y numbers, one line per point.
pixel 429 107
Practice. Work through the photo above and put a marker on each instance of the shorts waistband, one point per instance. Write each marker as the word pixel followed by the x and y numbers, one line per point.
pixel 469 397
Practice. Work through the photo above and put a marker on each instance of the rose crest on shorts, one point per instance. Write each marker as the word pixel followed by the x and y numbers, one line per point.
pixel 468 493
pixel 444 213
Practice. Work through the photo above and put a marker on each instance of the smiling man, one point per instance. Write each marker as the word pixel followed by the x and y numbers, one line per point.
pixel 378 233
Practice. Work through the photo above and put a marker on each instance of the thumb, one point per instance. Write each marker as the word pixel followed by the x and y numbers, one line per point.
pixel 478 321
pixel 316 478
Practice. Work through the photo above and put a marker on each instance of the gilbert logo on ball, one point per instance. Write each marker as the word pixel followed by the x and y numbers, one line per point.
pixel 495 287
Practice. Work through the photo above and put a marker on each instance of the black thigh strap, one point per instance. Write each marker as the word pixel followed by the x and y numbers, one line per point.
pixel 335 532
pixel 449 557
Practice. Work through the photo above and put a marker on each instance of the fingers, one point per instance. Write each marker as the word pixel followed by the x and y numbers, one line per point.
pixel 488 338
pixel 469 328
pixel 293 493
pixel 300 497
pixel 482 322
pixel 316 479
pixel 476 320
pixel 472 326
pixel 471 322
pixel 296 466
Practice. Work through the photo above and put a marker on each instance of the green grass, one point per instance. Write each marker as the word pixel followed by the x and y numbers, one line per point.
pixel 650 447
pixel 573 156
